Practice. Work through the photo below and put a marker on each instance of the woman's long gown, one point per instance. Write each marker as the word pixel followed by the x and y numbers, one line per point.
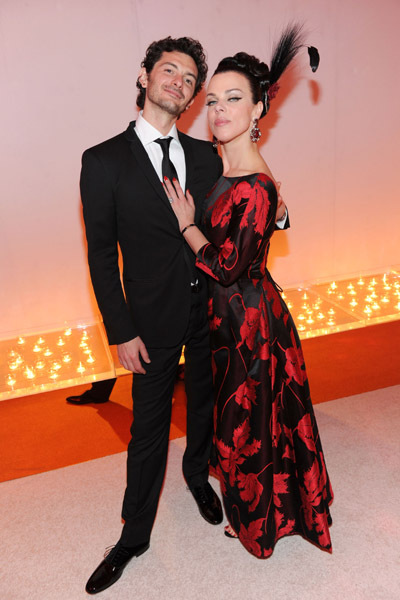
pixel 269 456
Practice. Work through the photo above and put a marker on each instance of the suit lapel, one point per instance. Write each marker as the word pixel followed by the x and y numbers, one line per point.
pixel 189 158
pixel 144 162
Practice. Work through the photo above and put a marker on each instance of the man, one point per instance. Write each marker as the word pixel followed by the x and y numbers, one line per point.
pixel 163 304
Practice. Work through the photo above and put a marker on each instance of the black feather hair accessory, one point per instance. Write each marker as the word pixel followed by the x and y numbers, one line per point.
pixel 314 58
pixel 288 46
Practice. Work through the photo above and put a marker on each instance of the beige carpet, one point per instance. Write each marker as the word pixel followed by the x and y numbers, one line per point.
pixel 55 526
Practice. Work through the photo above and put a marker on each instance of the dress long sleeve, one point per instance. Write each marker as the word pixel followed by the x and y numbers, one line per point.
pixel 241 220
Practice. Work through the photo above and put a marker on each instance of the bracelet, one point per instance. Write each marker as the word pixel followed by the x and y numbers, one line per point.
pixel 187 227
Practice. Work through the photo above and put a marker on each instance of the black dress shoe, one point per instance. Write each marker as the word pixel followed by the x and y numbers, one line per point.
pixel 208 502
pixel 112 567
pixel 85 398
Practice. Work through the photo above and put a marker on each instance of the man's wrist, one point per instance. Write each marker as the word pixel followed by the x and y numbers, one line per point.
pixel 283 216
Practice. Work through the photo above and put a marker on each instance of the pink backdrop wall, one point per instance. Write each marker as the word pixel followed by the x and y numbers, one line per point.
pixel 68 71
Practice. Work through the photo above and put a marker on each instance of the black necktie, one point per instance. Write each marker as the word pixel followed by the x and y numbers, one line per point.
pixel 168 170
pixel 167 166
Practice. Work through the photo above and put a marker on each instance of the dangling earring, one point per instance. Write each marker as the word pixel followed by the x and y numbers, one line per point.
pixel 215 142
pixel 255 133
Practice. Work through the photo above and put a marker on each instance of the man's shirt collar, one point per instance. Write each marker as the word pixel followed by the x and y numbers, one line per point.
pixel 147 133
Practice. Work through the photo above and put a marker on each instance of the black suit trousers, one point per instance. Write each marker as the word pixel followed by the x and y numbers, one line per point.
pixel 152 401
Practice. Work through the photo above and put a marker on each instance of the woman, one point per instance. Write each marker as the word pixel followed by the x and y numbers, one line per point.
pixel 269 456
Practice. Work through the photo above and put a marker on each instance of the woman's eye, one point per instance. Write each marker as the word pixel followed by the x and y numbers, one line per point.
pixel 234 99
pixel 210 102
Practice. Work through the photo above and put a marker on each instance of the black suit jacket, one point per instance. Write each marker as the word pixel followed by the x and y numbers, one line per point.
pixel 124 203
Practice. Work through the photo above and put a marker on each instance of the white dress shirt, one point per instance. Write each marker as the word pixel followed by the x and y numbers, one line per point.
pixel 147 134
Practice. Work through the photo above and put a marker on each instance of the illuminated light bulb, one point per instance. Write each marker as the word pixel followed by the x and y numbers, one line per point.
pixel 60 342
pixel 29 373
pixel 340 296
pixel 66 358
pixel 85 335
pixel 12 354
pixel 87 351
pixel 331 322
pixel 83 344
pixel 301 327
pixel 283 295
pixel 333 286
pixel 68 332
pixel 304 306
pixel 21 341
pixel 350 286
pixel 19 360
pixel 331 311
pixel 40 341
pixel 81 368
pixel 374 295
pixel 301 317
pixel 56 366
pixel 90 359
pixel 310 321
pixel 320 316
pixel 47 352
pixel 352 293
pixel 289 305
pixel 305 297
pixel 13 366
pixel 360 281
pixel 39 365
pixel 53 375
pixel 385 299
pixel 353 302
pixel 37 348
pixel 11 381
pixel 375 306
pixel 387 287
pixel 373 282
pixel 367 310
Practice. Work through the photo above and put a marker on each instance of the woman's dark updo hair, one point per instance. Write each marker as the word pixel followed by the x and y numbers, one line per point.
pixel 260 77
pixel 255 71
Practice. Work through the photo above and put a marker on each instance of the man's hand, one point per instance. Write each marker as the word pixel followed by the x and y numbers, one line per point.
pixel 129 352
pixel 281 210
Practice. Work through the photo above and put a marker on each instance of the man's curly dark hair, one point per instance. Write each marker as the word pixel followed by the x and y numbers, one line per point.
pixel 185 45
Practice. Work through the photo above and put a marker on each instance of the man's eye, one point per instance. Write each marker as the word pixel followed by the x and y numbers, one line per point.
pixel 189 82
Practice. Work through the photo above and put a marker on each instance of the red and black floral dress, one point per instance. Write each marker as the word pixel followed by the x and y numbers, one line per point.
pixel 269 456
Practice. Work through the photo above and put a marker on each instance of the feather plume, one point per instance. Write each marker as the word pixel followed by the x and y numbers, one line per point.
pixel 314 58
pixel 285 50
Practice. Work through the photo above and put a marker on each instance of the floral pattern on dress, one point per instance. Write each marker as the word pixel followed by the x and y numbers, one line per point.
pixel 268 452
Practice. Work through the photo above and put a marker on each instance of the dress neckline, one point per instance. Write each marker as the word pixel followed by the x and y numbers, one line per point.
pixel 248 175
